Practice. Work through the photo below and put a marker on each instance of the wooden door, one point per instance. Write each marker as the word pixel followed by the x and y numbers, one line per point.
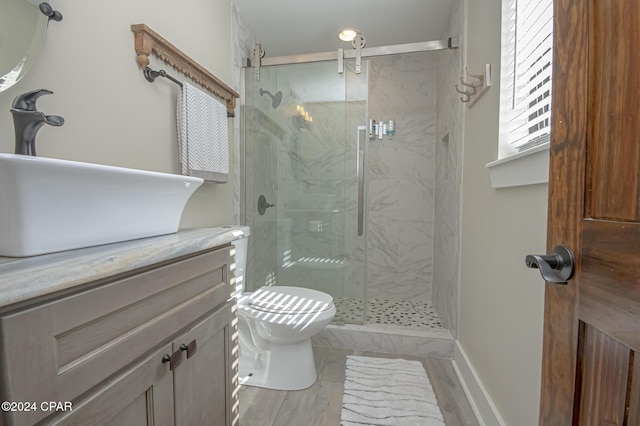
pixel 592 324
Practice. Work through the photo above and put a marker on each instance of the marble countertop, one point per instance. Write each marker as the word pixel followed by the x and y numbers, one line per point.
pixel 26 278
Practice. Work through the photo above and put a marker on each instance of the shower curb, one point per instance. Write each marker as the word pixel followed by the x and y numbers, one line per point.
pixel 429 343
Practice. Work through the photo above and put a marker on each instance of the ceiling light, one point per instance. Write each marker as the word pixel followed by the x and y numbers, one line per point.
pixel 348 34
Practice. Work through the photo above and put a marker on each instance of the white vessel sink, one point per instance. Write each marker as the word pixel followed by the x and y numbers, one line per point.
pixel 49 205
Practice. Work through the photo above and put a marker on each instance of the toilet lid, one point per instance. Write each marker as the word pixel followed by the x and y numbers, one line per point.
pixel 289 300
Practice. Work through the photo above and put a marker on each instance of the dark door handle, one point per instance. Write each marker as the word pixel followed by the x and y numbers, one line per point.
pixel 555 268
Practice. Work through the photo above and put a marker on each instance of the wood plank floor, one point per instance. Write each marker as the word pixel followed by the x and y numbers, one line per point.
pixel 321 404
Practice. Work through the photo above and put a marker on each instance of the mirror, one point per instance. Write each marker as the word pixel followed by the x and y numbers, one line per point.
pixel 22 30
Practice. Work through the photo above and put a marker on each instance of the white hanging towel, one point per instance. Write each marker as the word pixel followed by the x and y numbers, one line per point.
pixel 203 140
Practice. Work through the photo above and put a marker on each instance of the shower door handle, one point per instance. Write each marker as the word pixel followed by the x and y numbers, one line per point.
pixel 360 154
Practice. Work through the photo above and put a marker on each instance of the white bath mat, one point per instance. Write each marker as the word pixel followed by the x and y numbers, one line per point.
pixel 391 392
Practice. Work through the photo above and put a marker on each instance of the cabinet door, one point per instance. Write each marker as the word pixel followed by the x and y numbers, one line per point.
pixel 139 396
pixel 206 380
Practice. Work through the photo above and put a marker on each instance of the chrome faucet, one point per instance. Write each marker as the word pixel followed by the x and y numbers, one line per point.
pixel 27 120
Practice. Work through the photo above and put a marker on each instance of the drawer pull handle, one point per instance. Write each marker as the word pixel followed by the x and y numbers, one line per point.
pixel 174 360
pixel 191 348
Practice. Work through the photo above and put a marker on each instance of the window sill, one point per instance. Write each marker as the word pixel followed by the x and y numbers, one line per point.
pixel 524 168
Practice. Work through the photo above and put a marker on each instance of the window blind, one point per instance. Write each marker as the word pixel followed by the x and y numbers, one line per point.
pixel 527 52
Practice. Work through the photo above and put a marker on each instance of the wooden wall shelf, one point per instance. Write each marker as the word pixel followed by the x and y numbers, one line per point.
pixel 148 41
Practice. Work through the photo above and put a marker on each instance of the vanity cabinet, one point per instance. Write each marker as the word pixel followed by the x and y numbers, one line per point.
pixel 152 346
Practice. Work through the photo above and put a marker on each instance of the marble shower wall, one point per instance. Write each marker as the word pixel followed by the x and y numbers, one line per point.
pixel 243 39
pixel 260 162
pixel 401 178
pixel 449 131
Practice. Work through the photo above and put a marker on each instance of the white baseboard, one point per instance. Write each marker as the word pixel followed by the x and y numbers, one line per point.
pixel 481 403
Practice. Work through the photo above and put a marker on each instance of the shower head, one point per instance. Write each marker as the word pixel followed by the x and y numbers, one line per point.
pixel 275 99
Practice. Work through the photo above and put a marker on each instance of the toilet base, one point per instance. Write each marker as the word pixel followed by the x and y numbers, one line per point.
pixel 288 366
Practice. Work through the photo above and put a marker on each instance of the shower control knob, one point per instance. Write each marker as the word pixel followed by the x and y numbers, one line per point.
pixel 263 205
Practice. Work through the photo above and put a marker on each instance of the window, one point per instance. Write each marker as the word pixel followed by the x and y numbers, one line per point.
pixel 525 87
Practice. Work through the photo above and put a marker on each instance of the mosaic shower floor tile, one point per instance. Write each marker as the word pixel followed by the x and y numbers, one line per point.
pixel 404 313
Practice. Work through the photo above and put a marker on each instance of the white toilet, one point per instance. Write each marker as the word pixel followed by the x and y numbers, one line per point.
pixel 275 326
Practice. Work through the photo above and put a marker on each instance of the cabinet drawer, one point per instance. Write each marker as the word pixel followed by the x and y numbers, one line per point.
pixel 59 350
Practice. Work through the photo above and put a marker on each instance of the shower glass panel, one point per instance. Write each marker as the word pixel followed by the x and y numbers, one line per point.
pixel 301 187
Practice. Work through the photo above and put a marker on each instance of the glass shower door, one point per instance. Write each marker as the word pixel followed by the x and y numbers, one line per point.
pixel 300 180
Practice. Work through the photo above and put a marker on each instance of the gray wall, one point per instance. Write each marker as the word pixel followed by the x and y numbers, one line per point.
pixel 501 302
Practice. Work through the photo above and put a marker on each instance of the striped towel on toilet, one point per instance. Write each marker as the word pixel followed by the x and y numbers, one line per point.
pixel 203 140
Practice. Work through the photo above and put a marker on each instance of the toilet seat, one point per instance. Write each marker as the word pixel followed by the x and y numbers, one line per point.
pixel 288 300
